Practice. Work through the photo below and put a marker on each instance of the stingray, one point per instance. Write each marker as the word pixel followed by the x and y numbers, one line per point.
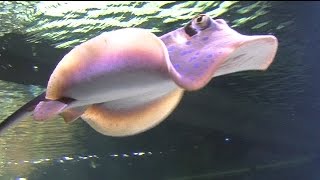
pixel 127 81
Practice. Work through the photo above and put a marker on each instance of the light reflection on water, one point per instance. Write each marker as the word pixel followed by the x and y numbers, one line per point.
pixel 68 24
pixel 77 158
pixel 30 142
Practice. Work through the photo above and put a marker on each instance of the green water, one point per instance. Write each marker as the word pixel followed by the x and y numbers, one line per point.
pixel 245 125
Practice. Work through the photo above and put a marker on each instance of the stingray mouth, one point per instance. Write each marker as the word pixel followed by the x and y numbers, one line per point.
pixel 254 53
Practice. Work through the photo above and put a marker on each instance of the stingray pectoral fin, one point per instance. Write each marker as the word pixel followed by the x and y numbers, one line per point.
pixel 21 114
pixel 130 121
pixel 49 109
pixel 192 70
pixel 46 110
pixel 254 53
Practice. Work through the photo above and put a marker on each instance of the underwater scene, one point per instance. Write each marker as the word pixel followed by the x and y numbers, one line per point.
pixel 159 90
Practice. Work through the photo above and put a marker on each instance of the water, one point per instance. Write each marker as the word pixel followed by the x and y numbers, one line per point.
pixel 248 125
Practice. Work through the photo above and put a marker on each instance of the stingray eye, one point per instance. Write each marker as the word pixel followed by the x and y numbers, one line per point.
pixel 201 22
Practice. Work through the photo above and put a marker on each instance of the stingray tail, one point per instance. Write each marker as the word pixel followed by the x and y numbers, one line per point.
pixel 23 112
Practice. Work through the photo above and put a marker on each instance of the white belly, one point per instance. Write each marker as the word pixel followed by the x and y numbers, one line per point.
pixel 117 86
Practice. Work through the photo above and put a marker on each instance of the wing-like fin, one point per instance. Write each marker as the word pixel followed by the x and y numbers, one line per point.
pixel 22 113
pixel 48 109
pixel 256 53
pixel 215 51
pixel 112 121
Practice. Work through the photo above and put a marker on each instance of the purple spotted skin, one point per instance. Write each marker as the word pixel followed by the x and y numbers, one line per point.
pixel 193 56
pixel 198 50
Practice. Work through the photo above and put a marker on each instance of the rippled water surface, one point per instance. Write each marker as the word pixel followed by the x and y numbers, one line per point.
pixel 248 125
